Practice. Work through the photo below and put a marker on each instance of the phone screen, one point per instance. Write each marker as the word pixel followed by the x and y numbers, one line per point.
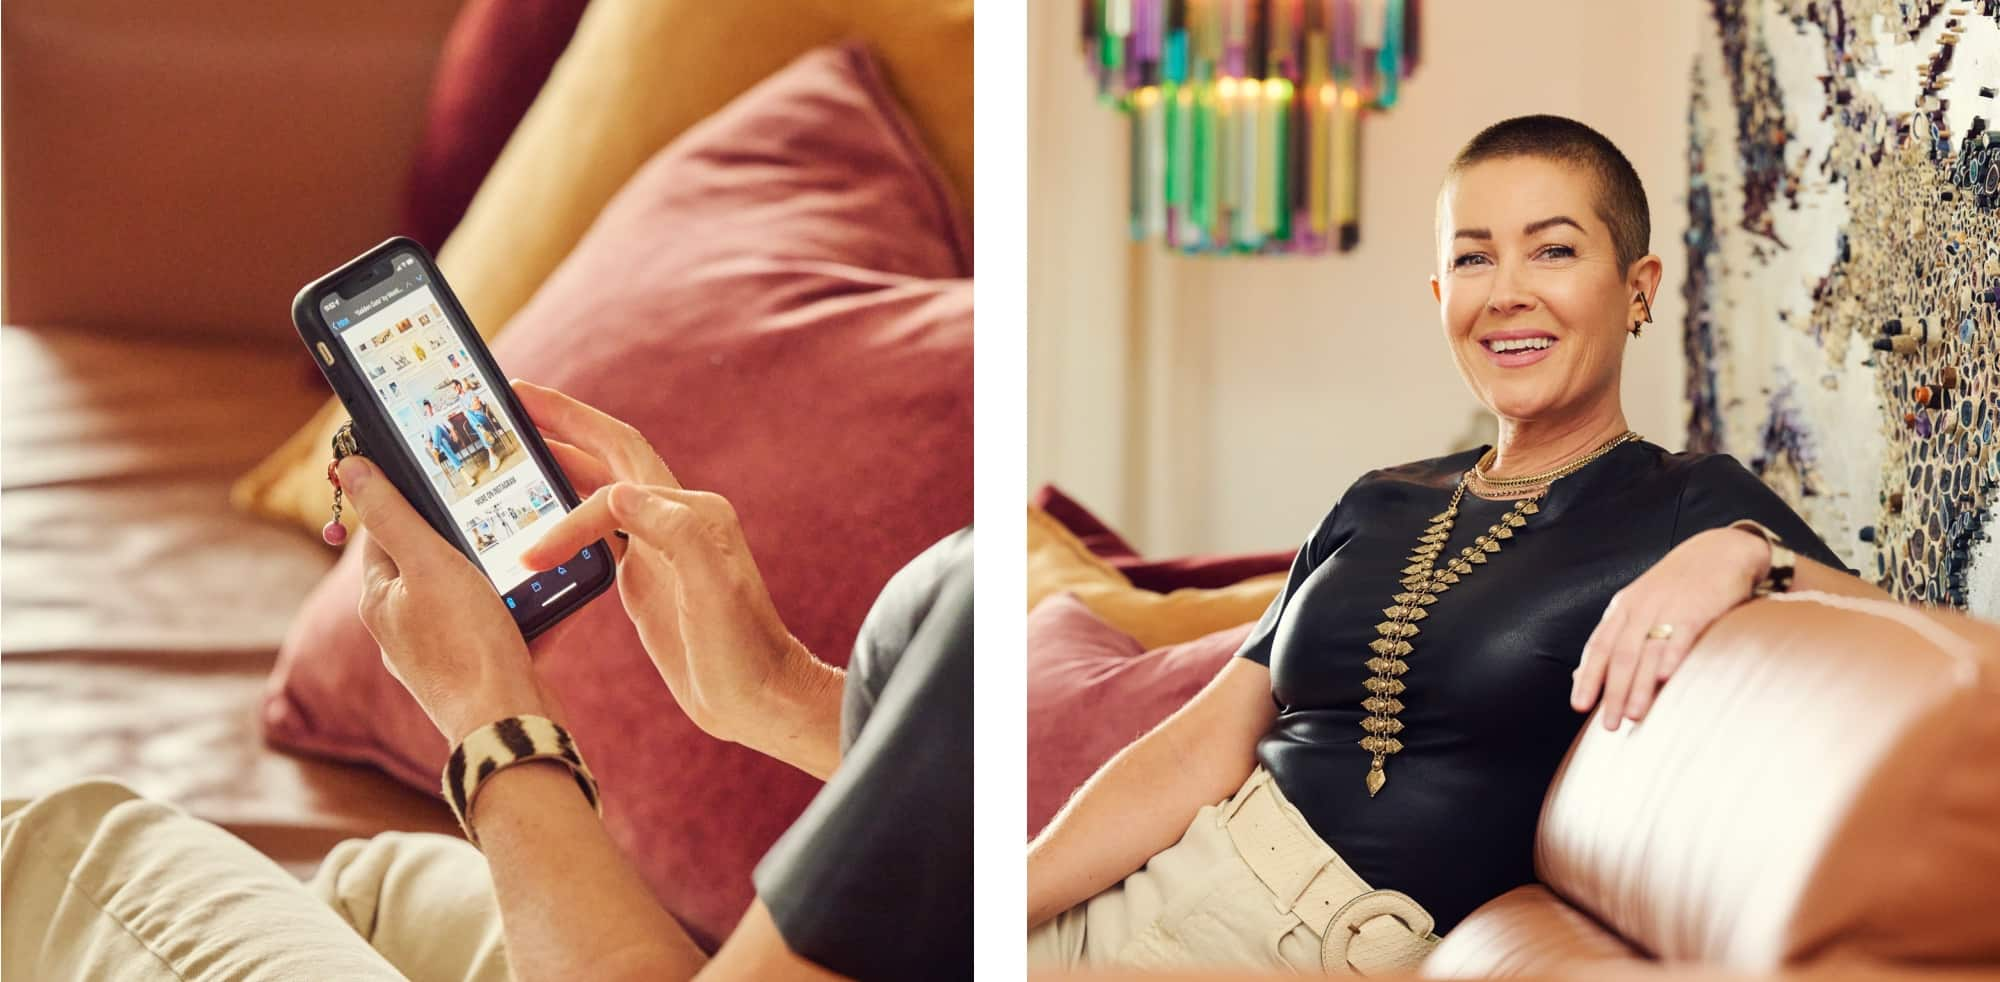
pixel 415 360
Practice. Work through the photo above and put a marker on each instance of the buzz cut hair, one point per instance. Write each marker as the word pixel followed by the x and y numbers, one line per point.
pixel 1621 198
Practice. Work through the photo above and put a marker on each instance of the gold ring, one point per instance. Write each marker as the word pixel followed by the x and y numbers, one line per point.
pixel 1660 632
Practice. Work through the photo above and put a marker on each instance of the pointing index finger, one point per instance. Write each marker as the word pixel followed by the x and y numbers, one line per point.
pixel 590 522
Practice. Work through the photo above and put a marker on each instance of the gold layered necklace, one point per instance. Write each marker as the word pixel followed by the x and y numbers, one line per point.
pixel 1425 578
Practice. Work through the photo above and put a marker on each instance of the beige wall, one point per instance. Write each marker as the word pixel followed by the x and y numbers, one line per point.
pixel 1223 404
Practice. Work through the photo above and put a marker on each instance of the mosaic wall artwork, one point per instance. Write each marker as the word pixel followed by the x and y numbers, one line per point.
pixel 1843 333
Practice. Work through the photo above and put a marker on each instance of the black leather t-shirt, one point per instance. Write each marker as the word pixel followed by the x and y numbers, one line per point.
pixel 1487 717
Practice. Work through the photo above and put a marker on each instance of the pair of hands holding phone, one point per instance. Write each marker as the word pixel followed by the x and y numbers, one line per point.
pixel 686 578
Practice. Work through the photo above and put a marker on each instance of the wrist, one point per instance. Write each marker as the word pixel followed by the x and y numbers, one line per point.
pixel 795 715
pixel 1753 552
pixel 803 681
pixel 541 781
pixel 497 754
pixel 474 710
pixel 1778 562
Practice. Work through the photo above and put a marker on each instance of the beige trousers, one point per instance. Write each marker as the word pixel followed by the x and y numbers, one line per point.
pixel 1248 886
pixel 99 883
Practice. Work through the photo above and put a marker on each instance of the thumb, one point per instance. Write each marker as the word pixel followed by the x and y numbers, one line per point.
pixel 388 517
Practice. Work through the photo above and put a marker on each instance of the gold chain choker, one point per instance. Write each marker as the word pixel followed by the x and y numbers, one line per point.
pixel 1480 476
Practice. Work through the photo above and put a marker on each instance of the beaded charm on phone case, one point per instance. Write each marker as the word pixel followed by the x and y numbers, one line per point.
pixel 344 444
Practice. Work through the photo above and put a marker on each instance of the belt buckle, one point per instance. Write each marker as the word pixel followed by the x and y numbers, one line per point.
pixel 1338 938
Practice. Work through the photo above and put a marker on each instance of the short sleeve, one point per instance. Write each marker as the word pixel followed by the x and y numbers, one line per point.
pixel 1720 490
pixel 1318 546
pixel 902 607
pixel 875 878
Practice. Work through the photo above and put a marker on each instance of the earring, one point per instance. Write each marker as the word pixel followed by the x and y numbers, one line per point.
pixel 1643 302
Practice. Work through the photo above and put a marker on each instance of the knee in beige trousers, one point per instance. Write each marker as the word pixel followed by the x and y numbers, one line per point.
pixel 1235 893
pixel 99 883
pixel 1195 905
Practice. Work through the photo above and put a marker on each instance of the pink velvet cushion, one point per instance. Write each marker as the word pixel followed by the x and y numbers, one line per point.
pixel 1200 572
pixel 1092 690
pixel 776 301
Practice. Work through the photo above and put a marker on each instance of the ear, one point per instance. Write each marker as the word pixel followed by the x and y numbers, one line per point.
pixel 1644 278
pixel 1436 293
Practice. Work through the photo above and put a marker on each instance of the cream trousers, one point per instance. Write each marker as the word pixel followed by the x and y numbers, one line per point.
pixel 1248 886
pixel 99 883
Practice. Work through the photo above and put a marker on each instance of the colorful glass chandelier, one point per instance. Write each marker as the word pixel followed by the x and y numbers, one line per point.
pixel 1245 115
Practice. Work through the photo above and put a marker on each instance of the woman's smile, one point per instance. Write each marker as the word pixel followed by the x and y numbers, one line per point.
pixel 1517 349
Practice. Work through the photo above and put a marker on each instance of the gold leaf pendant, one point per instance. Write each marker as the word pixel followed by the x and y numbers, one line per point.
pixel 1422 580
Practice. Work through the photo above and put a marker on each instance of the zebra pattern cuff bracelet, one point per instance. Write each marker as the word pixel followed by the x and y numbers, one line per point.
pixel 501 744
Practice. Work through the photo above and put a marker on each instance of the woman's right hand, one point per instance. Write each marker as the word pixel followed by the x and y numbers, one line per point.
pixel 690 586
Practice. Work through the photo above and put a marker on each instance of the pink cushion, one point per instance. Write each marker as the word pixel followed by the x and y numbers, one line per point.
pixel 1201 572
pixel 495 59
pixel 777 301
pixel 1092 690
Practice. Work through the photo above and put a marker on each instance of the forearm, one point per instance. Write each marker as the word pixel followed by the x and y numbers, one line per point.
pixel 570 905
pixel 1132 809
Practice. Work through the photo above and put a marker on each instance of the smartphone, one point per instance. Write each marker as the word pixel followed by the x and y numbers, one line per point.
pixel 433 410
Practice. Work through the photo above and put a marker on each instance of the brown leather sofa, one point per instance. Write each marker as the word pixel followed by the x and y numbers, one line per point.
pixel 173 173
pixel 1820 784
pixel 1816 795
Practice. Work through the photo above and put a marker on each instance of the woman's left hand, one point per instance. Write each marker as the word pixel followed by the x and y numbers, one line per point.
pixel 1688 589
pixel 443 630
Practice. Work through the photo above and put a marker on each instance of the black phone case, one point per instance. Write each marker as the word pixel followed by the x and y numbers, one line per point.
pixel 375 433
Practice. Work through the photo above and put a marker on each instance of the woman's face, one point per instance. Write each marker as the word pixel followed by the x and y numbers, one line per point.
pixel 1529 268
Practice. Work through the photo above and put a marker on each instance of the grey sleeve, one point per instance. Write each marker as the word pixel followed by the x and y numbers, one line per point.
pixel 874 880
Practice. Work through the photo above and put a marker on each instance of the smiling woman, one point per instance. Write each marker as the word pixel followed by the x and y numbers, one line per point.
pixel 1543 261
pixel 1309 808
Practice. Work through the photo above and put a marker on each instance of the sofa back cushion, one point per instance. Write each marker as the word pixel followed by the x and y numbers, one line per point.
pixel 1821 777
pixel 181 169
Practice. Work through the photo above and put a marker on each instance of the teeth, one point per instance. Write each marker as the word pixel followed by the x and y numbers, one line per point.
pixel 1520 344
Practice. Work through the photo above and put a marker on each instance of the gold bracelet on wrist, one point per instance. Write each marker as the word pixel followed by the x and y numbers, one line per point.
pixel 501 744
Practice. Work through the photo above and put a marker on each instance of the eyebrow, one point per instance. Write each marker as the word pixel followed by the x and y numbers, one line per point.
pixel 1532 228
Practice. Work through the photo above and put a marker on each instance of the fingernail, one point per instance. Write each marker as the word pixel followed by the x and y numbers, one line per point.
pixel 353 473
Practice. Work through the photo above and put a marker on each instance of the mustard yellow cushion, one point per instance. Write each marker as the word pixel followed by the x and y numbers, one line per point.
pixel 635 76
pixel 1058 562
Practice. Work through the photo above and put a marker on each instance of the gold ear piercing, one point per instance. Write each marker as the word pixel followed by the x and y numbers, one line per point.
pixel 1643 302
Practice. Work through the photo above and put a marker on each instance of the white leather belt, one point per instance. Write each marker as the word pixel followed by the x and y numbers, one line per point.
pixel 1360 929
